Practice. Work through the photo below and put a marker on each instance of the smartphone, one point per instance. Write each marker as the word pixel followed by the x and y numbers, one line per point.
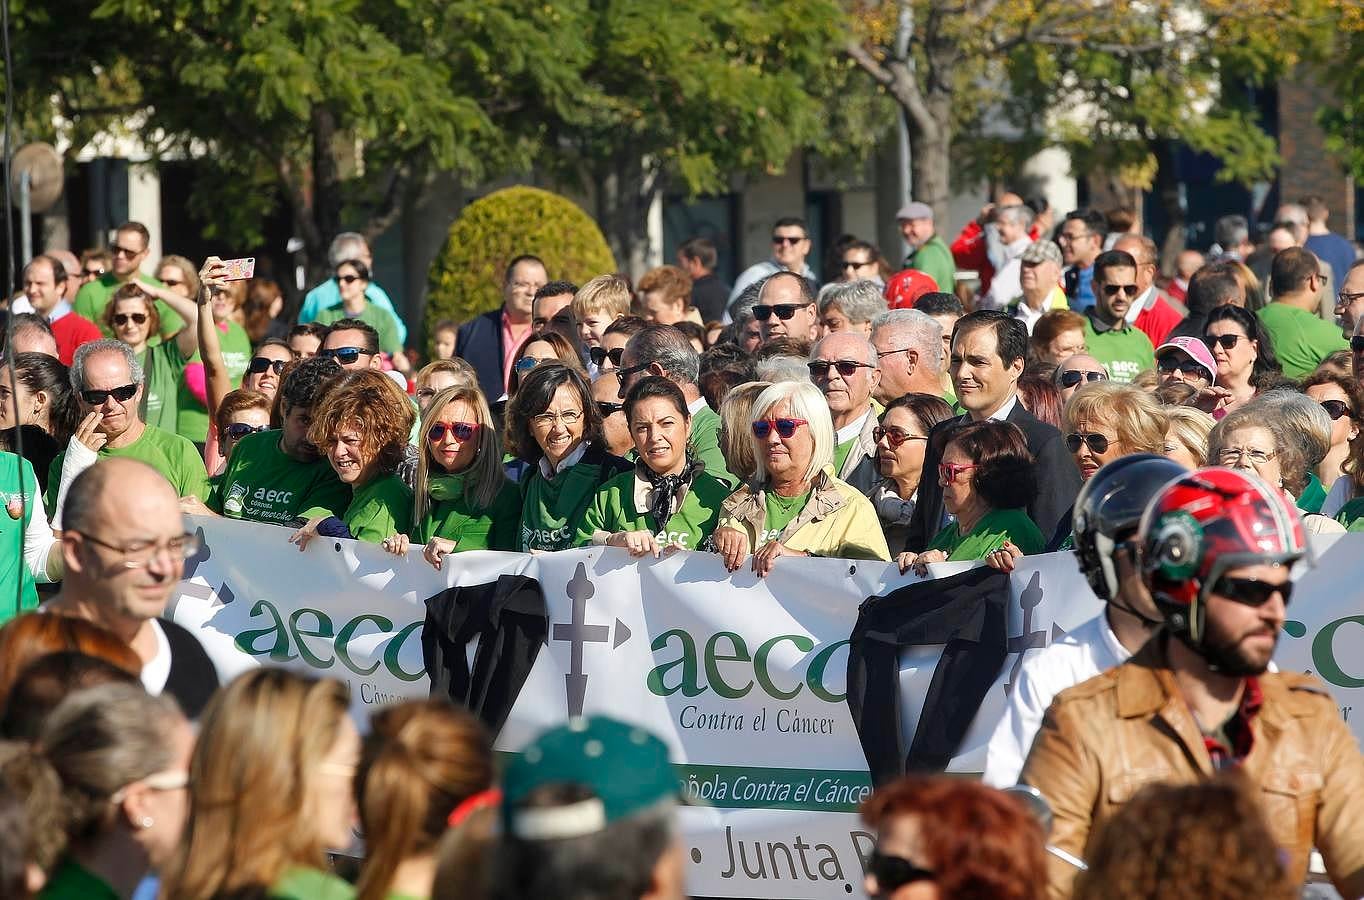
pixel 240 269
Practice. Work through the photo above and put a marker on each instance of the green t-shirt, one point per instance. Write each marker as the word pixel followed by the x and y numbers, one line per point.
pixel 191 415
pixel 164 368
pixel 1351 515
pixel 14 574
pixel 171 455
pixel 614 509
pixel 989 535
pixel 379 509
pixel 71 881
pixel 705 445
pixel 454 518
pixel 262 483
pixel 1301 340
pixel 841 452
pixel 380 319
pixel 551 510
pixel 299 883
pixel 780 512
pixel 93 297
pixel 1125 353
pixel 1313 495
pixel 934 258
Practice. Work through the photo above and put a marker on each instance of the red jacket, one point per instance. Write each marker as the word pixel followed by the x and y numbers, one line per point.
pixel 969 250
pixel 1159 319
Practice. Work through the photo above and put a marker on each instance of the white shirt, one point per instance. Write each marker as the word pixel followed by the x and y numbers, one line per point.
pixel 1002 414
pixel 696 405
pixel 852 429
pixel 1079 656
pixel 567 462
pixel 1141 304
pixel 1006 284
pixel 156 671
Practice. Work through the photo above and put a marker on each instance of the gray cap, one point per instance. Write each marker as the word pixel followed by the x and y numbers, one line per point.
pixel 914 210
pixel 1042 251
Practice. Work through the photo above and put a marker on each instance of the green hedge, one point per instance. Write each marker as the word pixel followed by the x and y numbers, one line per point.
pixel 466 277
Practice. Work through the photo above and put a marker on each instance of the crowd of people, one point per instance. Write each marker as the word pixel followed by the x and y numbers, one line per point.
pixel 1179 435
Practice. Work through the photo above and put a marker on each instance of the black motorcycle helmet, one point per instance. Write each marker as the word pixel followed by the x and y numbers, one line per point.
pixel 1108 512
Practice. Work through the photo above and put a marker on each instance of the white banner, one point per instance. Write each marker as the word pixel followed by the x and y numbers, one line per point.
pixel 743 677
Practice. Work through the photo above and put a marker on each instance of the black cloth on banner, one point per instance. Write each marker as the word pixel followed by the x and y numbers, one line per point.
pixel 510 619
pixel 968 614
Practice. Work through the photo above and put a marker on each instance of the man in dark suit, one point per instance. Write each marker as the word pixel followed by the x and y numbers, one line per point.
pixel 988 354
pixel 489 342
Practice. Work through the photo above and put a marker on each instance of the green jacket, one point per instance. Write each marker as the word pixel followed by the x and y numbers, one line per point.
pixel 989 535
pixel 621 506
pixel 705 443
pixel 471 528
pixel 934 258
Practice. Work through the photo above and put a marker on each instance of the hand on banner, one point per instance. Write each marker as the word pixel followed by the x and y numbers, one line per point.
pixel 306 533
pixel 86 433
pixel 193 506
pixel 638 543
pixel 768 553
pixel 396 544
pixel 1003 558
pixel 919 561
pixel 732 545
pixel 436 550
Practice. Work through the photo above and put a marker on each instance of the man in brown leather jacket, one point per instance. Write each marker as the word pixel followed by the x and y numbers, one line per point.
pixel 1217 548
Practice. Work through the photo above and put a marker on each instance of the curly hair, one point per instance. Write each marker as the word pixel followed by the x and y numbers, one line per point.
pixel 302 383
pixel 979 842
pixel 1207 841
pixel 1005 476
pixel 371 403
pixel 132 291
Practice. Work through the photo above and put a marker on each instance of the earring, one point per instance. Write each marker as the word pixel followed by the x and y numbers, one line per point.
pixel 146 822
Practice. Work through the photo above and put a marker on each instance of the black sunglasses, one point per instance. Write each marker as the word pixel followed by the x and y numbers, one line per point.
pixel 846 367
pixel 123 318
pixel 786 239
pixel 1226 341
pixel 121 394
pixel 344 355
pixel 607 408
pixel 599 355
pixel 894 872
pixel 238 430
pixel 259 364
pixel 1070 379
pixel 784 311
pixel 1251 591
pixel 854 264
pixel 623 373
pixel 1097 443
pixel 347 279
pixel 1171 363
pixel 1335 408
pixel 1112 290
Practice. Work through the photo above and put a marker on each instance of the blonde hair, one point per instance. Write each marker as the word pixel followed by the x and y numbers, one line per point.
pixel 455 366
pixel 605 293
pixel 485 474
pixel 1190 427
pixel 806 402
pixel 185 266
pixel 252 808
pixel 736 437
pixel 1140 422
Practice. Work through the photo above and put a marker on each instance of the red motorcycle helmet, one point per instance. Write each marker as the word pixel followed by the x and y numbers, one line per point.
pixel 1203 523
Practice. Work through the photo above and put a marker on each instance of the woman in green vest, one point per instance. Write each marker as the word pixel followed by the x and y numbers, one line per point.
pixel 270 791
pixel 669 502
pixel 133 318
pixel 988 478
pixel 123 758
pixel 361 426
pixel 554 426
pixel 462 498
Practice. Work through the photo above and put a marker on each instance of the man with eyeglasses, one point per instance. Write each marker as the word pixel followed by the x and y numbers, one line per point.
pixel 1109 336
pixel 44 279
pixel 346 246
pixel 909 353
pixel 1302 339
pixel 1081 239
pixel 128 251
pixel 786 307
pixel 1075 372
pixel 1219 549
pixel 1349 307
pixel 861 262
pixel 790 247
pixel 1039 283
pixel 109 384
pixel 489 342
pixel 844 366
pixel 353 344
pixel 124 544
pixel 928 252
pixel 664 351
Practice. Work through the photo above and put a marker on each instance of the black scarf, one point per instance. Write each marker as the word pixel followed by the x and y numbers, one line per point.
pixel 665 487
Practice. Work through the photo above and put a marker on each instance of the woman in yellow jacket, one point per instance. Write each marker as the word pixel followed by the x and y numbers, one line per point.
pixel 795 506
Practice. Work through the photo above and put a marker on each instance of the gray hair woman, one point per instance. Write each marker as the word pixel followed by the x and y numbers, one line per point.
pixel 794 506
pixel 850 306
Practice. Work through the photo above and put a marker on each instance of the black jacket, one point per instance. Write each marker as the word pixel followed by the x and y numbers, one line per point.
pixel 479 343
pixel 710 295
pixel 968 614
pixel 192 679
pixel 1058 481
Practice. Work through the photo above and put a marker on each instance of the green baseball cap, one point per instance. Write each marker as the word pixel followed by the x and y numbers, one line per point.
pixel 623 767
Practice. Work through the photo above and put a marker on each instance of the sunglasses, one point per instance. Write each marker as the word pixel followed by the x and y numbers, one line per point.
pixel 238 430
pixel 786 239
pixel 92 273
pixel 1225 341
pixel 1357 343
pixel 785 427
pixel 259 364
pixel 846 367
pixel 622 374
pixel 526 363
pixel 895 436
pixel 1252 591
pixel 600 355
pixel 854 264
pixel 948 473
pixel 894 872
pixel 1112 290
pixel 784 311
pixel 121 394
pixel 344 355
pixel 347 279
pixel 463 431
pixel 123 251
pixel 1070 379
pixel 121 319
pixel 1335 408
pixel 1096 443
pixel 607 408
pixel 1184 366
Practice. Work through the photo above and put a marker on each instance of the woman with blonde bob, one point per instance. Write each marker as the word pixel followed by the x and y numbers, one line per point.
pixel 462 498
pixel 270 791
pixel 736 437
pixel 1186 438
pixel 426 769
pixel 794 506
